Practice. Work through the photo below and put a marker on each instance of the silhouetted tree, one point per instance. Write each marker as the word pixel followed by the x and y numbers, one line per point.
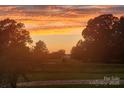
pixel 40 52
pixel 57 55
pixel 103 40
pixel 14 50
pixel 76 51
pixel 41 48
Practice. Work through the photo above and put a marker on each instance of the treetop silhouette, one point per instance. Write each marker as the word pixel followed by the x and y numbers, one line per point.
pixel 103 40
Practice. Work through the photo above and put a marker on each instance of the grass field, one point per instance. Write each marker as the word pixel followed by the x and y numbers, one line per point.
pixel 74 70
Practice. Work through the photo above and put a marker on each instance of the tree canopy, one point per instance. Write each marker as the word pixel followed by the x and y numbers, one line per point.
pixel 103 40
pixel 14 49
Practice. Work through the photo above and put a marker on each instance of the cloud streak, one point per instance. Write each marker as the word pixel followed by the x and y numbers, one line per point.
pixel 51 17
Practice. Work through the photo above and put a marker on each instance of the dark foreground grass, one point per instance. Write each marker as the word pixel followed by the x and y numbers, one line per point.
pixel 76 71
pixel 70 76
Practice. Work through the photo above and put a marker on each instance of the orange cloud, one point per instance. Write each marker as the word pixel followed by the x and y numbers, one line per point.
pixel 59 31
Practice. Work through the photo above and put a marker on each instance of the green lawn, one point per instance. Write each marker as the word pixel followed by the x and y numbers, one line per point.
pixel 76 70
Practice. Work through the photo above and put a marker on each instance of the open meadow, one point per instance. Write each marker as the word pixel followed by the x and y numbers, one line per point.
pixel 74 70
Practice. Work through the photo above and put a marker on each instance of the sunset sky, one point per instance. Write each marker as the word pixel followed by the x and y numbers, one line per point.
pixel 59 27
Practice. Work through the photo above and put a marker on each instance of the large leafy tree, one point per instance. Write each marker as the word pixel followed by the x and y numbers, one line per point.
pixel 103 39
pixel 14 49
